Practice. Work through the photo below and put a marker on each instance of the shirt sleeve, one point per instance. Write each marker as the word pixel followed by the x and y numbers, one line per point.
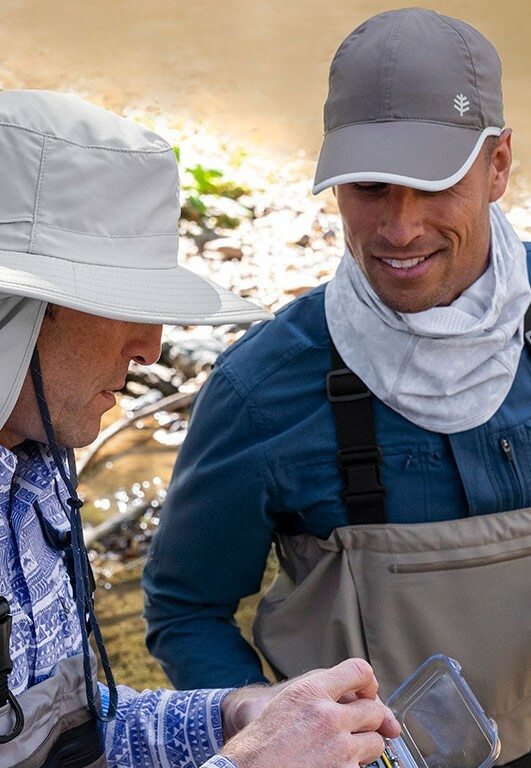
pixel 163 727
pixel 212 544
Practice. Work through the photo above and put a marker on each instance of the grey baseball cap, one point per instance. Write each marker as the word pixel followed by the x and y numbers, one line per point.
pixel 412 97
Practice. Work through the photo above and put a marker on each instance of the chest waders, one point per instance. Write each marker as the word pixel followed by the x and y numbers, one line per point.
pixel 396 594
pixel 58 722
pixel 59 730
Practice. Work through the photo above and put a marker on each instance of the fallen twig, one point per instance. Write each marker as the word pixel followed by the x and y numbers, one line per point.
pixel 170 403
pixel 132 513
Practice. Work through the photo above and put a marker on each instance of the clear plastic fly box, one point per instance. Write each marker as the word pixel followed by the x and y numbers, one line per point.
pixel 443 724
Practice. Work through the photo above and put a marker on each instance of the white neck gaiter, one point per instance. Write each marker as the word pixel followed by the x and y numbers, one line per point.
pixel 447 369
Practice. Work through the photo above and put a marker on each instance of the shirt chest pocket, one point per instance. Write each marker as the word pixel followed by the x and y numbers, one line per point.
pixel 423 484
pixel 509 458
pixel 494 467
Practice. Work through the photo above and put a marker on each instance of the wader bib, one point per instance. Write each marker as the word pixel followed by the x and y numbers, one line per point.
pixel 59 731
pixel 397 594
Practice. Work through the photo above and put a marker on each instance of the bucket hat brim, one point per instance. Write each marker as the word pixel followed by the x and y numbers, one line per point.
pixel 89 216
pixel 174 296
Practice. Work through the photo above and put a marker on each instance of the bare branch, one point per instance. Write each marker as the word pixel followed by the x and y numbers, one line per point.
pixel 170 403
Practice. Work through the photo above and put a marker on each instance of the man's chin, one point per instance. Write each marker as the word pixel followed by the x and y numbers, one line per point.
pixel 78 438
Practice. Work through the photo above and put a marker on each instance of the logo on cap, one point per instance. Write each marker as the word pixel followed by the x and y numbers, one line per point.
pixel 461 103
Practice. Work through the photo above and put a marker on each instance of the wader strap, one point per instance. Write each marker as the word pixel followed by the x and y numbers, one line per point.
pixel 6 666
pixel 359 456
pixel 527 327
pixel 59 731
pixel 79 747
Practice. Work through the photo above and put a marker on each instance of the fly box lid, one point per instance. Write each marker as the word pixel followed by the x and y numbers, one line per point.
pixel 443 724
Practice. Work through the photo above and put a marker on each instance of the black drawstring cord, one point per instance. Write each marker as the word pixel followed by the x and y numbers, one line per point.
pixel 83 592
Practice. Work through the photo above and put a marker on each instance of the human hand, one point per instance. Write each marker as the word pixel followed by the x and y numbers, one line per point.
pixel 326 719
pixel 243 705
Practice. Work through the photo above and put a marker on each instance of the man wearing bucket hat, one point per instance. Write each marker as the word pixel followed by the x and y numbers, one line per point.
pixel 379 426
pixel 88 273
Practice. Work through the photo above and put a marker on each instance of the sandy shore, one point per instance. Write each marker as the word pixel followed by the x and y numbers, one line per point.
pixel 256 72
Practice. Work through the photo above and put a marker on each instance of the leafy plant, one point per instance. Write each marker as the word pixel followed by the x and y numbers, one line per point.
pixel 202 194
pixel 207 182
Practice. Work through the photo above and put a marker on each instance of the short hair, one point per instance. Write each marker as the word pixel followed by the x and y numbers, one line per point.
pixel 490 144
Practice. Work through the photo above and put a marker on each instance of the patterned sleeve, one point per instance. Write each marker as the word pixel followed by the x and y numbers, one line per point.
pixel 165 727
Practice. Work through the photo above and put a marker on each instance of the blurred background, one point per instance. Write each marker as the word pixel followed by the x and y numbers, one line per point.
pixel 238 88
pixel 255 70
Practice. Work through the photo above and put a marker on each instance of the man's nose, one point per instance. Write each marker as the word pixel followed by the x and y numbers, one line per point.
pixel 143 344
pixel 401 219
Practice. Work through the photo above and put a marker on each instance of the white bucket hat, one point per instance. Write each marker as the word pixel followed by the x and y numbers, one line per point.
pixel 88 219
pixel 88 216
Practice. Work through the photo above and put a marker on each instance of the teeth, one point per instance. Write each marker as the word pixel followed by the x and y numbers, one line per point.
pixel 404 263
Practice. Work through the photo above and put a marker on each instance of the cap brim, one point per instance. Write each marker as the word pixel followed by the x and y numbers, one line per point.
pixel 423 155
pixel 174 296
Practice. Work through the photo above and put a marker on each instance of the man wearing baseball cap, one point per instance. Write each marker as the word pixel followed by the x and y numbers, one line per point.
pixel 88 274
pixel 379 426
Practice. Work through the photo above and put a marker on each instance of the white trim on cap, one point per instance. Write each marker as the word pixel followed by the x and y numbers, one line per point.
pixel 410 181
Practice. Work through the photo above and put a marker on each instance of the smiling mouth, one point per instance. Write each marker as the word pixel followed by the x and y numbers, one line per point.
pixel 405 263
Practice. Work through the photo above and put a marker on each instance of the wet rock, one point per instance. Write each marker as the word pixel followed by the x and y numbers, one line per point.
pixel 151 396
pixel 297 283
pixel 135 388
pixel 169 438
pixel 153 379
pixel 225 247
pixel 192 351
pixel 300 230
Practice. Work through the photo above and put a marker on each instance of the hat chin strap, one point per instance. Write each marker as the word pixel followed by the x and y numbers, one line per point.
pixel 83 596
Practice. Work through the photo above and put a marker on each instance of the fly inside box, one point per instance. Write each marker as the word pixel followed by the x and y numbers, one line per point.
pixel 443 724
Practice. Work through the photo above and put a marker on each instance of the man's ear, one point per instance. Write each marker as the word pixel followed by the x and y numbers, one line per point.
pixel 334 190
pixel 500 166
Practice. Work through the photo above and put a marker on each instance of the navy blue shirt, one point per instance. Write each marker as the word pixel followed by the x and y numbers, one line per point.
pixel 260 457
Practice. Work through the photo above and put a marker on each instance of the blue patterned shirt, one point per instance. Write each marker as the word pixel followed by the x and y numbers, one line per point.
pixel 155 728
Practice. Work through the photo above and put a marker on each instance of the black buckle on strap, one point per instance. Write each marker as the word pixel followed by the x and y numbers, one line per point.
pixel 365 500
pixel 341 386
pixel 6 665
pixel 361 465
pixel 359 455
